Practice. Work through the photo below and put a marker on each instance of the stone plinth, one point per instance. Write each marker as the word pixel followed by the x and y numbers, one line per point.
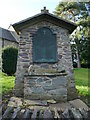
pixel 45 87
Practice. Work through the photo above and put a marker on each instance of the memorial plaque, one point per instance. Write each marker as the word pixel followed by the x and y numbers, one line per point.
pixel 44 46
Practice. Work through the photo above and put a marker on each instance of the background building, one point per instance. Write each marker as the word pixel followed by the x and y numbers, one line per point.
pixel 8 38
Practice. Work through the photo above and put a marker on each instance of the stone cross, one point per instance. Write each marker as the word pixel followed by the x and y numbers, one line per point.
pixel 44 10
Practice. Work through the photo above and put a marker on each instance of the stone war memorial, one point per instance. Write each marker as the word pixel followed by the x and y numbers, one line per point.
pixel 44 66
pixel 44 76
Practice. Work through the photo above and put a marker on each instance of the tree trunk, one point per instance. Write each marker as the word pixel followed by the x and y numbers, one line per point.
pixel 78 58
pixel 77 51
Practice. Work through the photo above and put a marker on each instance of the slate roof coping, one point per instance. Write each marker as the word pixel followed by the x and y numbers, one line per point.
pixel 45 16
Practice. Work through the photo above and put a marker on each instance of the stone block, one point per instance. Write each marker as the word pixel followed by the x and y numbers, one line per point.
pixel 39 96
pixel 52 87
pixel 15 114
pixel 35 102
pixel 66 113
pixel 71 93
pixel 27 90
pixel 47 114
pixel 7 113
pixel 46 83
pixel 15 102
pixel 59 81
pixel 60 106
pixel 38 90
pixel 60 91
pixel 75 114
pixel 40 80
pixel 79 104
pixel 26 114
pixel 12 104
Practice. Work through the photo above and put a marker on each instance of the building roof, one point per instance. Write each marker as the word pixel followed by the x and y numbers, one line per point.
pixel 6 34
pixel 45 16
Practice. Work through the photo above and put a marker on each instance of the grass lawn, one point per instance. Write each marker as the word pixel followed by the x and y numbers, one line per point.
pixel 7 83
pixel 81 81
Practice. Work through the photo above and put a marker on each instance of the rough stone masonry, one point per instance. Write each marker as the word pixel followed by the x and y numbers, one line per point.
pixel 39 76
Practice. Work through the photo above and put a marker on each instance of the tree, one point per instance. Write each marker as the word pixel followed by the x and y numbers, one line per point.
pixel 9 60
pixel 85 39
pixel 76 12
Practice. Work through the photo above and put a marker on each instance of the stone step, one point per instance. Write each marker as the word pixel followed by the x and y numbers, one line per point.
pixel 34 115
pixel 46 113
pixel 7 113
pixel 76 114
pixel 41 114
pixel 15 114
pixel 66 113
pixel 27 114
pixel 56 115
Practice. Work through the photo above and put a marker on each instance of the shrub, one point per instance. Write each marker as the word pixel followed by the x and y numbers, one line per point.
pixel 74 64
pixel 9 60
pixel 84 65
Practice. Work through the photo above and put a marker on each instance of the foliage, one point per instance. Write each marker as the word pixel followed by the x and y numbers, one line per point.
pixel 77 12
pixel 9 60
pixel 85 45
pixel 70 10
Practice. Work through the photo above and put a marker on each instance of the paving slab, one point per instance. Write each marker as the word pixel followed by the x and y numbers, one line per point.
pixel 35 102
pixel 60 106
pixel 79 104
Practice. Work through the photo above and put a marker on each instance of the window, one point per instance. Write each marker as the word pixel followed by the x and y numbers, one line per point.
pixel 44 46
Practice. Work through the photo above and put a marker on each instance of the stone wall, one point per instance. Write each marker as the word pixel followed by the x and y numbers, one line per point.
pixel 26 68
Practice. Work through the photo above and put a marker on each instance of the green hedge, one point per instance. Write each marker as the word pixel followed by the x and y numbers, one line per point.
pixel 9 60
